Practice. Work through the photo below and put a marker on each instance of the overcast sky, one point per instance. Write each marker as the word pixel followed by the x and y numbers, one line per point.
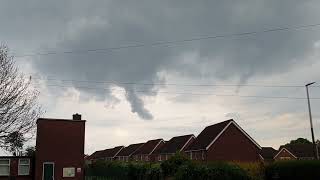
pixel 136 108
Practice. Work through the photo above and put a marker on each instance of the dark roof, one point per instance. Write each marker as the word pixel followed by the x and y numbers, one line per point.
pixel 300 150
pixel 96 155
pixel 174 144
pixel 54 119
pixel 268 152
pixel 148 147
pixel 127 151
pixel 207 136
pixel 106 153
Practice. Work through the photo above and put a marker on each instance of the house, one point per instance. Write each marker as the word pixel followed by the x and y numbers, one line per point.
pixel 16 167
pixel 295 152
pixel 175 144
pixel 267 154
pixel 107 154
pixel 60 148
pixel 126 153
pixel 224 141
pixel 145 152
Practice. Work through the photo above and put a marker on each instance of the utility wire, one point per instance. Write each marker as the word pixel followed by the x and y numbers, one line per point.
pixel 171 84
pixel 185 93
pixel 160 43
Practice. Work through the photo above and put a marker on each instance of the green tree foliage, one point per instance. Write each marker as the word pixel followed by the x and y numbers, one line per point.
pixel 291 170
pixel 300 141
pixel 171 166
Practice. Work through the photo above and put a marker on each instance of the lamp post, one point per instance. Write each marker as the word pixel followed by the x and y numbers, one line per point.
pixel 315 149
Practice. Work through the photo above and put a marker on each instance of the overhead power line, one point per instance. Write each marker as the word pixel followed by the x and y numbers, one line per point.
pixel 160 43
pixel 184 93
pixel 171 84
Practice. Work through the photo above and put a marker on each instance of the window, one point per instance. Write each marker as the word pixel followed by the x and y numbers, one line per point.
pixel 68 172
pixel 24 167
pixel 159 158
pixel 285 158
pixel 4 167
pixel 191 155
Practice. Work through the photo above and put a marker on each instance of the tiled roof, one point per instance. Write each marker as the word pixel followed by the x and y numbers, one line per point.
pixel 95 155
pixel 207 136
pixel 148 147
pixel 268 152
pixel 127 151
pixel 106 153
pixel 300 150
pixel 174 144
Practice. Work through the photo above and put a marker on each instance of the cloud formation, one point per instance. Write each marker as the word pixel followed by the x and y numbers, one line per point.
pixel 287 57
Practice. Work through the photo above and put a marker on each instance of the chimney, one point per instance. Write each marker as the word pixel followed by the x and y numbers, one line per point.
pixel 76 116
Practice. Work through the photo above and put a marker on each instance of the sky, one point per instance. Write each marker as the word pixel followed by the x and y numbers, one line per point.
pixel 104 60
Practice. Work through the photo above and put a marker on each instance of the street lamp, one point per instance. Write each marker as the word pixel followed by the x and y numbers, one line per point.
pixel 315 149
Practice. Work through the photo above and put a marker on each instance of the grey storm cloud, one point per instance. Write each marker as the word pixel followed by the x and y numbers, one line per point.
pixel 44 26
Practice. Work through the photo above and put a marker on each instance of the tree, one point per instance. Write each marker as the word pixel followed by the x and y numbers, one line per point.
pixel 300 141
pixel 14 142
pixel 18 101
pixel 30 151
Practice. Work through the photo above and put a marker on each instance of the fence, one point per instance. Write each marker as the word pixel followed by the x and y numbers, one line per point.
pixel 98 178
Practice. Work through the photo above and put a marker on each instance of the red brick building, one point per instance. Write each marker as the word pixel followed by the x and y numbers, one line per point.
pixel 174 145
pixel 225 141
pixel 126 153
pixel 146 151
pixel 295 152
pixel 267 154
pixel 60 149
pixel 16 167
pixel 107 154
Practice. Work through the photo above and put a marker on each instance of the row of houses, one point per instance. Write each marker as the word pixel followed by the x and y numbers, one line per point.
pixel 224 141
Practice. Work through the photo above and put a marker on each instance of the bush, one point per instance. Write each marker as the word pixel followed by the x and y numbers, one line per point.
pixel 255 170
pixel 285 170
pixel 171 166
pixel 124 171
pixel 216 171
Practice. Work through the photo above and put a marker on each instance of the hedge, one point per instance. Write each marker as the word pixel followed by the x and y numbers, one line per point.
pixel 290 170
pixel 216 171
pixel 177 167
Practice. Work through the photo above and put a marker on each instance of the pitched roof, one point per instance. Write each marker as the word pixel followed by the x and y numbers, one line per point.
pixel 127 151
pixel 211 133
pixel 175 144
pixel 148 147
pixel 106 153
pixel 95 155
pixel 268 152
pixel 299 150
pixel 208 135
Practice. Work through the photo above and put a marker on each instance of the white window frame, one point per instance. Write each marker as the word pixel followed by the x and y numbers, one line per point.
pixel 9 164
pixel 19 164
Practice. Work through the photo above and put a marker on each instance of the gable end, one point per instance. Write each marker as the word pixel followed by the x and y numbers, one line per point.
pixel 239 128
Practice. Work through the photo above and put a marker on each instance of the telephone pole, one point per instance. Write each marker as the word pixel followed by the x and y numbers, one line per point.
pixel 315 148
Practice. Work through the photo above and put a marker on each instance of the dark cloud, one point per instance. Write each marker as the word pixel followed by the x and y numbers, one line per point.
pixel 80 25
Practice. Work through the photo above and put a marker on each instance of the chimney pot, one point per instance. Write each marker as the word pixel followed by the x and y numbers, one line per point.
pixel 76 116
